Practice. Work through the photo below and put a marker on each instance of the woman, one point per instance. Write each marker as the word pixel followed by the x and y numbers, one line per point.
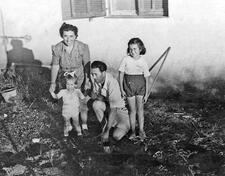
pixel 70 57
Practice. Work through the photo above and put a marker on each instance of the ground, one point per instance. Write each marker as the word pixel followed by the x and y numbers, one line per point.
pixel 185 135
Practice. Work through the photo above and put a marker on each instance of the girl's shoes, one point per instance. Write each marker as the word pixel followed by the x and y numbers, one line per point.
pixel 132 136
pixel 142 135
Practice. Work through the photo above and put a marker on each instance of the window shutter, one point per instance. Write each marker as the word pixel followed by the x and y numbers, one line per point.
pixel 79 8
pixel 66 9
pixel 82 8
pixel 150 7
pixel 96 8
pixel 165 7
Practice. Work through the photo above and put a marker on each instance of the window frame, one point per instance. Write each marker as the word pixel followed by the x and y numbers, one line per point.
pixel 106 9
pixel 150 13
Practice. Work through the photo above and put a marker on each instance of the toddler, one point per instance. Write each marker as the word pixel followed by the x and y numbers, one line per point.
pixel 71 104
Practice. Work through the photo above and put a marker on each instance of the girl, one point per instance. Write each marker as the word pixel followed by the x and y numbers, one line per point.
pixel 134 80
pixel 71 103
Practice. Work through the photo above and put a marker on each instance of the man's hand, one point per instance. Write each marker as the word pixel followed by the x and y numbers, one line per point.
pixel 100 98
pixel 105 136
pixel 123 94
pixel 87 82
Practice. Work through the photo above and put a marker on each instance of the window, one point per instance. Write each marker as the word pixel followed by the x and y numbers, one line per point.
pixel 82 8
pixel 113 8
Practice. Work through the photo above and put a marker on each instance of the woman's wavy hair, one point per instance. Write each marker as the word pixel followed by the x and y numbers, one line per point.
pixel 140 44
pixel 68 27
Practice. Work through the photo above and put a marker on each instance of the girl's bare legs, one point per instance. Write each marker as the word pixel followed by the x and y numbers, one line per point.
pixel 140 112
pixel 132 114
pixel 77 125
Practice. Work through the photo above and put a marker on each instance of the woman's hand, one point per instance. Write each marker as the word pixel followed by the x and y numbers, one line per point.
pixel 52 87
pixel 123 93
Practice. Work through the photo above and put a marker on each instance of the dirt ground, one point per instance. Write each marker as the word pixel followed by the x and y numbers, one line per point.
pixel 185 130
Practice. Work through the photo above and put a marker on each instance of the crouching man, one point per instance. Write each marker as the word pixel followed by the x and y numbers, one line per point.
pixel 107 98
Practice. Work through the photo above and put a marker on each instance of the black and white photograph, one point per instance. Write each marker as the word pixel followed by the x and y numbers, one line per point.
pixel 112 88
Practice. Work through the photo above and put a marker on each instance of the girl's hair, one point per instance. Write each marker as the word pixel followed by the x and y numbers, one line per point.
pixel 74 79
pixel 100 65
pixel 68 27
pixel 140 44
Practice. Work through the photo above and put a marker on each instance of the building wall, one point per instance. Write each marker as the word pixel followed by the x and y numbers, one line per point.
pixel 194 30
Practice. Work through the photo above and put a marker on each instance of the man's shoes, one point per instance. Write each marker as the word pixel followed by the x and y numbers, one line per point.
pixel 106 147
pixel 132 136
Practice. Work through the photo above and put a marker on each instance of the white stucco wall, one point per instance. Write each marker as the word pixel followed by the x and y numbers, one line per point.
pixel 194 30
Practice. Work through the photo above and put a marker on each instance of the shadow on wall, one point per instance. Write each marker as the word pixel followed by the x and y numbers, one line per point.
pixel 23 58
pixel 190 86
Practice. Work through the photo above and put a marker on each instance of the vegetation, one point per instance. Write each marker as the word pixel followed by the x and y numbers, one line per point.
pixel 185 129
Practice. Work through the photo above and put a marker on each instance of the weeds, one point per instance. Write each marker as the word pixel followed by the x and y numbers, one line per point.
pixel 185 129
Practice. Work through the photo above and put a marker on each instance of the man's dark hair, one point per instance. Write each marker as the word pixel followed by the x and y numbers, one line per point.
pixel 100 65
pixel 68 27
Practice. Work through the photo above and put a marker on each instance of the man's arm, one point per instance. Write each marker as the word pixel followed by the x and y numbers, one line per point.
pixel 111 119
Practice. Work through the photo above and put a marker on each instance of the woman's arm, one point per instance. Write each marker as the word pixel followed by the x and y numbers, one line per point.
pixel 112 115
pixel 54 95
pixel 54 73
pixel 86 55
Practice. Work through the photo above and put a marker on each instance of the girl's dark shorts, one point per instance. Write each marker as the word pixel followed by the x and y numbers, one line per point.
pixel 134 85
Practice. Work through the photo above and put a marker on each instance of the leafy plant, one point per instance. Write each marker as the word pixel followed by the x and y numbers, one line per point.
pixel 7 79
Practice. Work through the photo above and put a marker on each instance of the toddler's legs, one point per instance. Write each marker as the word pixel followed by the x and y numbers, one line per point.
pixel 67 125
pixel 83 113
pixel 140 112
pixel 132 114
pixel 77 125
